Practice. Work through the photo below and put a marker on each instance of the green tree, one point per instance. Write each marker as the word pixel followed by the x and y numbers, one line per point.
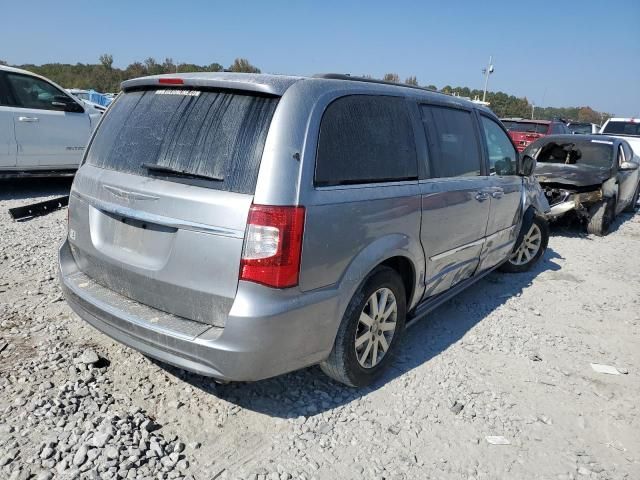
pixel 216 67
pixel 243 65
pixel 391 77
pixel 103 76
pixel 134 70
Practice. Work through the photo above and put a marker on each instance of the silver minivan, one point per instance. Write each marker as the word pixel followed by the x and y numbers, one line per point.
pixel 242 226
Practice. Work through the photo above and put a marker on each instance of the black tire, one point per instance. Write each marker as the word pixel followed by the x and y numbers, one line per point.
pixel 514 264
pixel 633 206
pixel 601 217
pixel 343 364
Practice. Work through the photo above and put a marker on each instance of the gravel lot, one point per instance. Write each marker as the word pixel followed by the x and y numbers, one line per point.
pixel 510 357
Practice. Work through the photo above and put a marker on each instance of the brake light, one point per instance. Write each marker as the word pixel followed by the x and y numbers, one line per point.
pixel 171 81
pixel 273 245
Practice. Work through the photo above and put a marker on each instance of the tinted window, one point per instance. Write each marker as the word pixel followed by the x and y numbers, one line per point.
pixel 527 127
pixel 622 128
pixel 502 155
pixel 31 92
pixel 365 139
pixel 5 97
pixel 581 128
pixel 452 141
pixel 204 133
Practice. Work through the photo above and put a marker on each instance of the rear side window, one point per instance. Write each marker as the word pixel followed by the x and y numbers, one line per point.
pixel 365 139
pixel 453 142
pixel 620 127
pixel 215 136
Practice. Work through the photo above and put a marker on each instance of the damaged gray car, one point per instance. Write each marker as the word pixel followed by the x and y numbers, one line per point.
pixel 595 177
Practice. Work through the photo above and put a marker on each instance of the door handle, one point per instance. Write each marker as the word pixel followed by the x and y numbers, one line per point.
pixel 28 119
pixel 481 196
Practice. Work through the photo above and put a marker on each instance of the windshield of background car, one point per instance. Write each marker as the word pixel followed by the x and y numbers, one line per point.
pixel 594 153
pixel 622 128
pixel 582 128
pixel 526 127
pixel 215 134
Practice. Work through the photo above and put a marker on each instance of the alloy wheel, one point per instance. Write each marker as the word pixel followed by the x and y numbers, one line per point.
pixel 376 328
pixel 529 247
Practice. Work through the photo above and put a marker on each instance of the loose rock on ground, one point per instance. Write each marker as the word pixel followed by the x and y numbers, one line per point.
pixel 510 358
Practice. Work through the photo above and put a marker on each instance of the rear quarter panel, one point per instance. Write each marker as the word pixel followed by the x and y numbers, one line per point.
pixel 348 231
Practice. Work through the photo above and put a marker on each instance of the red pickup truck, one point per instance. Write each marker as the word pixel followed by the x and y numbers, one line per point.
pixel 523 132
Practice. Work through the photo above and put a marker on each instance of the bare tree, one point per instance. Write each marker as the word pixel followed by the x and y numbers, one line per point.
pixel 391 77
pixel 169 66
pixel 411 81
pixel 106 60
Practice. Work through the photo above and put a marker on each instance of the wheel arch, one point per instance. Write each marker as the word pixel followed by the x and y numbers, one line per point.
pixel 405 268
pixel 396 251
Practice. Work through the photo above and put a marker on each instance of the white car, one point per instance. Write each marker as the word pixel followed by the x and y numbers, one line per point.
pixel 43 129
pixel 626 128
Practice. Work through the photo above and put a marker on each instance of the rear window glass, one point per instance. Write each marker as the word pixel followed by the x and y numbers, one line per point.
pixel 581 128
pixel 365 139
pixel 216 137
pixel 528 127
pixel 622 128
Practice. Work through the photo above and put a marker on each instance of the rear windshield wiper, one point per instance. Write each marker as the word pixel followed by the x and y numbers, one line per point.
pixel 180 173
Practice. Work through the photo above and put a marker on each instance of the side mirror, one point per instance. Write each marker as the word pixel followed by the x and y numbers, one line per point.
pixel 66 104
pixel 628 166
pixel 527 166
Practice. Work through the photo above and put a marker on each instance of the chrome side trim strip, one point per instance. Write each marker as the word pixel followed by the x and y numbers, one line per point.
pixel 158 219
pixel 457 249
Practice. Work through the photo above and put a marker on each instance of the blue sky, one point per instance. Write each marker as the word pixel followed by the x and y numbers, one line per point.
pixel 556 53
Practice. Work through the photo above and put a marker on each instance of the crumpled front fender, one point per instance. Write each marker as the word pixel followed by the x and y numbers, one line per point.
pixel 533 196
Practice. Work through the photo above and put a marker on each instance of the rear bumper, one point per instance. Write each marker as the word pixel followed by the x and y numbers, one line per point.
pixel 268 332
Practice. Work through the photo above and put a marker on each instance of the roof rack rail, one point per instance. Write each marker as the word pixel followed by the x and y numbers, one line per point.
pixel 346 76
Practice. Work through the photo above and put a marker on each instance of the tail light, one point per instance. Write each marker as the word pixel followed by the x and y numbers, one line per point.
pixel 272 246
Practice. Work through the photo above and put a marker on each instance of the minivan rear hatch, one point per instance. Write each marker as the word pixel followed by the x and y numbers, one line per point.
pixel 158 210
